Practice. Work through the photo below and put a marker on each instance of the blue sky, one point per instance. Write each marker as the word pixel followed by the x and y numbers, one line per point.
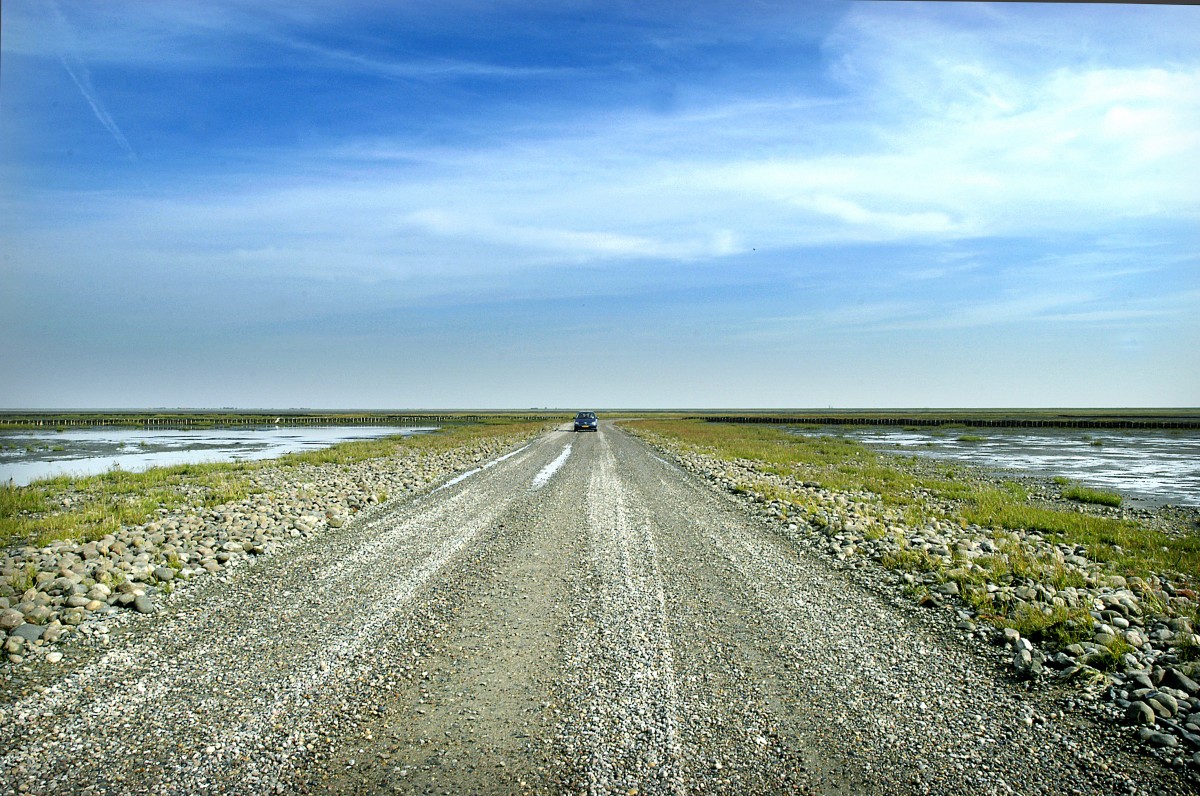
pixel 518 204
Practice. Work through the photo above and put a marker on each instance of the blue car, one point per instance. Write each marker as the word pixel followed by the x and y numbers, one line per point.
pixel 585 421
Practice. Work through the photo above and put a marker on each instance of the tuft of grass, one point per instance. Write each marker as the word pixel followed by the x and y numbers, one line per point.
pixel 17 499
pixel 910 560
pixel 1060 626
pixel 1108 659
pixel 23 580
pixel 1083 494
pixel 971 438
pixel 225 491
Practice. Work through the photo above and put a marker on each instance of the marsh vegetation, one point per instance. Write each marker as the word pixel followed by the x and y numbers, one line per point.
pixel 941 491
pixel 87 508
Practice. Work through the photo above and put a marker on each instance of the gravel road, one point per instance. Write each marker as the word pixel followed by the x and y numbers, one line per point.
pixel 580 616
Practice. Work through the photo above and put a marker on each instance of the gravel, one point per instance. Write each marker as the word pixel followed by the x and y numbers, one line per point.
pixel 594 622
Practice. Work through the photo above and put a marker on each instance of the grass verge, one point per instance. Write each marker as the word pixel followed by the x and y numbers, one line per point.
pixel 90 507
pixel 842 464
pixel 1083 494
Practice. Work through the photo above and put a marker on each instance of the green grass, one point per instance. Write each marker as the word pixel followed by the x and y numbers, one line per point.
pixel 1061 626
pixel 971 438
pixel 1108 659
pixel 841 464
pixel 101 504
pixel 1084 494
pixel 909 560
pixel 22 580
pixel 16 499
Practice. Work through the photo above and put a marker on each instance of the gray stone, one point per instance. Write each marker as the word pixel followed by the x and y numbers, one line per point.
pixel 11 618
pixel 1177 679
pixel 38 614
pixel 1163 739
pixel 1135 639
pixel 1139 713
pixel 1143 681
pixel 1027 664
pixel 1168 703
pixel 164 574
pixel 143 605
pixel 28 632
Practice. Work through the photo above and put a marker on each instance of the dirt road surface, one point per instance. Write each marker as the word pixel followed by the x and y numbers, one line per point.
pixel 580 616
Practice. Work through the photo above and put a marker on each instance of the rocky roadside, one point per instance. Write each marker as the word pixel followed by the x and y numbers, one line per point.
pixel 50 593
pixel 1133 656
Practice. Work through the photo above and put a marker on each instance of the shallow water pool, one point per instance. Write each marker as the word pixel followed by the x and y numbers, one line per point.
pixel 26 456
pixel 1149 467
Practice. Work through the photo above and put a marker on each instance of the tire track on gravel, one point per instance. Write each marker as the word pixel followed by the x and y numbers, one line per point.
pixel 629 726
pixel 874 697
pixel 218 694
pixel 479 712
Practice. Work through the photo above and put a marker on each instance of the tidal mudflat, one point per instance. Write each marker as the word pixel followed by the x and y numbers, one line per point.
pixel 1150 468
pixel 26 456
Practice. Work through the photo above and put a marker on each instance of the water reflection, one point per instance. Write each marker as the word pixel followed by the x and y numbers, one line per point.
pixel 1153 467
pixel 26 456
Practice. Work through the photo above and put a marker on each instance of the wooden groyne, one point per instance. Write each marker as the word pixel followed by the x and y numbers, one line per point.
pixel 200 420
pixel 976 422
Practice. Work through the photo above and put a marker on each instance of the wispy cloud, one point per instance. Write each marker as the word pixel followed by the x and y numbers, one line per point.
pixel 82 78
pixel 572 244
pixel 924 172
pixel 427 68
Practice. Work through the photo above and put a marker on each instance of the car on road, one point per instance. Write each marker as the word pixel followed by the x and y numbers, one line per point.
pixel 585 421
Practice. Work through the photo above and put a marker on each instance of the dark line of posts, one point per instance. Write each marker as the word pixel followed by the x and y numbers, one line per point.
pixel 844 420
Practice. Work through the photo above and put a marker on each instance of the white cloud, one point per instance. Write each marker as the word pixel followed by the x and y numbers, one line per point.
pixel 945 132
pixel 569 243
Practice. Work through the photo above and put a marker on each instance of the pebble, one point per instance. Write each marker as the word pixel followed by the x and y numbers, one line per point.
pixel 1117 604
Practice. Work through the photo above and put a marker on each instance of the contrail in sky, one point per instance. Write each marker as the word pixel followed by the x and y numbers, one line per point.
pixel 78 71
